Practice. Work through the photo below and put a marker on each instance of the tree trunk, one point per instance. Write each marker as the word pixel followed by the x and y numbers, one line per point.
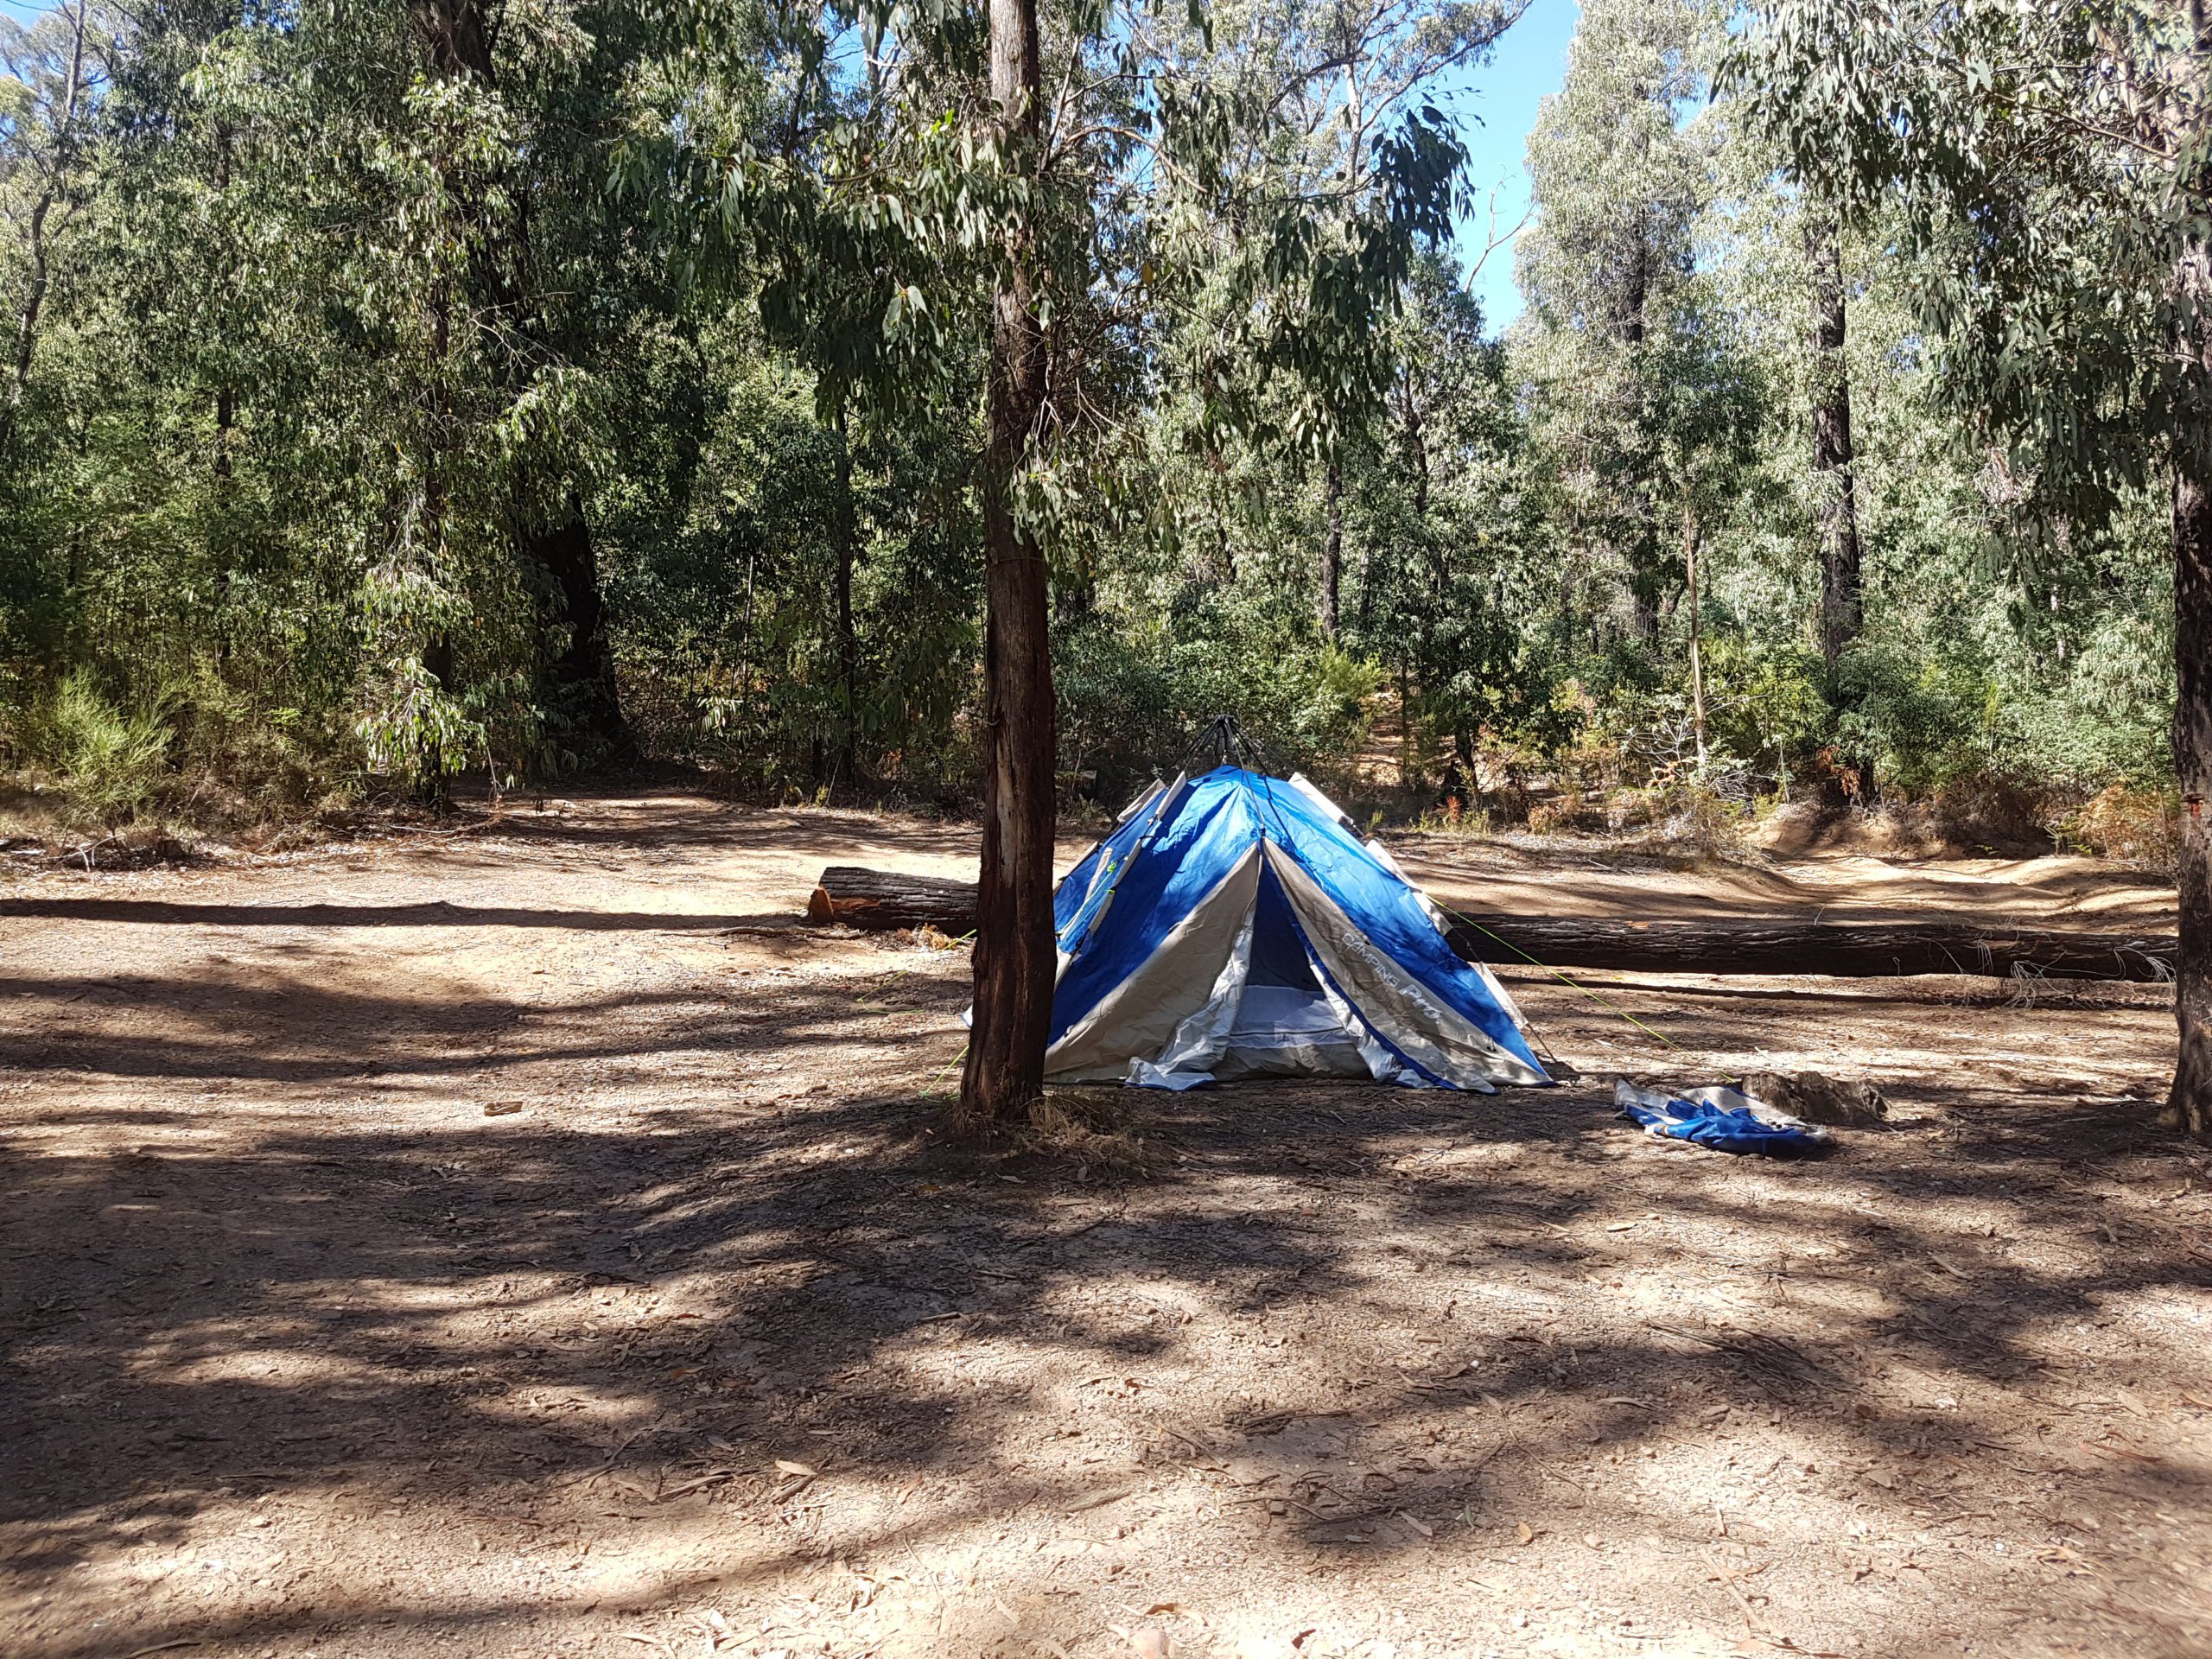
pixel 65 140
pixel 1409 773
pixel 225 419
pixel 2190 1104
pixel 27 322
pixel 579 688
pixel 1841 608
pixel 1643 608
pixel 1690 538
pixel 881 899
pixel 849 646
pixel 1015 959
pixel 1332 551
pixel 433 788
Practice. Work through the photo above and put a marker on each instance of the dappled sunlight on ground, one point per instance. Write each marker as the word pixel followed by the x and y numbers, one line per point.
pixel 492 1284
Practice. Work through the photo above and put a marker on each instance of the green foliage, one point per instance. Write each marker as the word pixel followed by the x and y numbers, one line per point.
pixel 402 403
pixel 113 765
pixel 2045 164
pixel 1133 698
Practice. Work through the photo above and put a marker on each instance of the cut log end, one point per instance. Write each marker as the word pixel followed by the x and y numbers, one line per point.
pixel 882 900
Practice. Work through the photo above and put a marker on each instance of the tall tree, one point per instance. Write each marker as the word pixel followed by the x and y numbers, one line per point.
pixel 1616 184
pixel 1833 480
pixel 1015 955
pixel 1162 189
pixel 2053 167
pixel 509 214
pixel 51 68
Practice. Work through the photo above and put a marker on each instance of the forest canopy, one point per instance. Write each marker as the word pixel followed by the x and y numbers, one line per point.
pixel 398 391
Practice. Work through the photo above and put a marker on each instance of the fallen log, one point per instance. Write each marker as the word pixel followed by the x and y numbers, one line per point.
pixel 884 899
pixel 1836 950
pixel 888 899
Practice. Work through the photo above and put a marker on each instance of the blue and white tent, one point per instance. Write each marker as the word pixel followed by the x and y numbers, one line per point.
pixel 1236 926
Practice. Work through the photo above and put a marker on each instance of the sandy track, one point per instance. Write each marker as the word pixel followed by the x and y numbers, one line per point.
pixel 435 1246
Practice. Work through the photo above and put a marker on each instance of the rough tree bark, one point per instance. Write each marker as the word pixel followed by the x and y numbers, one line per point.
pixel 1332 551
pixel 2189 1106
pixel 1692 534
pixel 1841 608
pixel 849 645
pixel 1015 958
pixel 2190 1102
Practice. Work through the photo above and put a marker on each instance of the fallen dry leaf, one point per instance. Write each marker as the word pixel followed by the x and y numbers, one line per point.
pixel 1097 1500
pixel 790 1467
pixel 1528 1532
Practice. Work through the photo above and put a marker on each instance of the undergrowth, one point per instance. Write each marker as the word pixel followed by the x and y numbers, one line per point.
pixel 1095 1128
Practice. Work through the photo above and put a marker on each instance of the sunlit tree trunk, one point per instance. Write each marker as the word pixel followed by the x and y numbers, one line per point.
pixel 1015 958
pixel 1691 537
pixel 1838 507
pixel 1332 551
pixel 2189 1106
pixel 849 645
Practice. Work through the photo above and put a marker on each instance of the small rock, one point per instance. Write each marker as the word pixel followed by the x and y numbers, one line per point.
pixel 1818 1099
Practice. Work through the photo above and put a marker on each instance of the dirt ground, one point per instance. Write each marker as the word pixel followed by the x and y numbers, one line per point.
pixel 532 1241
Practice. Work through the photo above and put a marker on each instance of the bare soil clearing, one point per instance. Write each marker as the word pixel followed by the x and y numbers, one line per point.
pixel 530 1242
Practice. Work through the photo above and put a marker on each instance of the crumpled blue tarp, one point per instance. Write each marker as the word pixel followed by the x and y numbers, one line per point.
pixel 1722 1119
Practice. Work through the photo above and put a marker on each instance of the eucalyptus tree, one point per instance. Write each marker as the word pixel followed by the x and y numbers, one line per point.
pixel 1618 184
pixel 1044 198
pixel 2052 170
pixel 1713 398
pixel 1835 485
pixel 1339 76
pixel 1445 588
pixel 54 68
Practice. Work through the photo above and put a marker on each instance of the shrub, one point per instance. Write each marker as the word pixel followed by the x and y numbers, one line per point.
pixel 113 765
pixel 1132 698
pixel 1564 814
pixel 1993 809
pixel 2141 826
pixel 1703 821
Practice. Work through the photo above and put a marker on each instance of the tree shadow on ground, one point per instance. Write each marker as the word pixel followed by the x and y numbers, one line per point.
pixel 480 1318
